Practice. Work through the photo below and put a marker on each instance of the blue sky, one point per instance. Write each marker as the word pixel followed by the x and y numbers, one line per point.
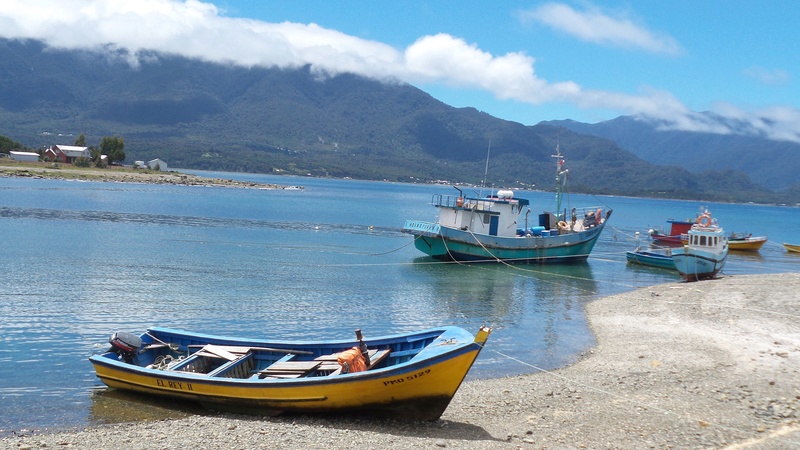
pixel 525 61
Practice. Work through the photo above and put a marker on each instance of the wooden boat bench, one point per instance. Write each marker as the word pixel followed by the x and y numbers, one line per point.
pixel 231 354
pixel 238 368
pixel 289 369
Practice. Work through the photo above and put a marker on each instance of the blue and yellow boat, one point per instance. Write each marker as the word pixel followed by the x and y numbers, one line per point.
pixel 660 257
pixel 411 376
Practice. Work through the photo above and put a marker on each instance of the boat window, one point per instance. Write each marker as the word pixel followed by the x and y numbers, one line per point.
pixel 486 218
pixel 702 240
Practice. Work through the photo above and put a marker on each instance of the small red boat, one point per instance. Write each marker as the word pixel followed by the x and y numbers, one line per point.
pixel 676 236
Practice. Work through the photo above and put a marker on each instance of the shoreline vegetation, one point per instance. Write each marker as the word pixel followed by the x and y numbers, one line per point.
pixel 120 175
pixel 710 364
pixel 11 168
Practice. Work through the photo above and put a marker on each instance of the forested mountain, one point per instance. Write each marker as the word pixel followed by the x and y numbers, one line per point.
pixel 771 164
pixel 199 115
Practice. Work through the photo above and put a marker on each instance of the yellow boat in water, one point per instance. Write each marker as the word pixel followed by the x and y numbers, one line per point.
pixel 792 247
pixel 748 243
pixel 409 376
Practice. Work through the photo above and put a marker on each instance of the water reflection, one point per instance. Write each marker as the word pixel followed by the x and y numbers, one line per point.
pixel 110 406
pixel 537 311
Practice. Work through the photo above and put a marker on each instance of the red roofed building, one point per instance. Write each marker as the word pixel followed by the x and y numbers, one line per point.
pixel 66 153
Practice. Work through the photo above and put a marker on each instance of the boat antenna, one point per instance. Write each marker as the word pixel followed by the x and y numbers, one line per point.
pixel 561 176
pixel 486 169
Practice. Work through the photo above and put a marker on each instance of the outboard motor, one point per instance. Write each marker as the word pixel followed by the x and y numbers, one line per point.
pixel 125 344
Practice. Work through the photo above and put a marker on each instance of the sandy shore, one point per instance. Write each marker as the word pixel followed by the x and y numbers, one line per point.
pixel 713 364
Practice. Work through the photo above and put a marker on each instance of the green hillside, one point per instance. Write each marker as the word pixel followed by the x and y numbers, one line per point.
pixel 206 116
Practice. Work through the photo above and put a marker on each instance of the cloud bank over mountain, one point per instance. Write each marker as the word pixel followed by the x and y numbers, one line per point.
pixel 136 30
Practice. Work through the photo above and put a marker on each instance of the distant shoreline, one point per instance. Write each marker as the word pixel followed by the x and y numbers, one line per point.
pixel 122 175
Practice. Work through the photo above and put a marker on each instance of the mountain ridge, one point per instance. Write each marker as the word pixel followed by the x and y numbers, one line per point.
pixel 696 151
pixel 199 115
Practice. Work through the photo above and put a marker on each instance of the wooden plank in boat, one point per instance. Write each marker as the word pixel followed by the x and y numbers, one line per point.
pixel 218 351
pixel 289 369
pixel 240 349
pixel 231 365
pixel 377 357
pixel 293 366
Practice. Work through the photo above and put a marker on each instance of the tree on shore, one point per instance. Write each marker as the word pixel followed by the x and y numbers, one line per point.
pixel 113 147
pixel 6 145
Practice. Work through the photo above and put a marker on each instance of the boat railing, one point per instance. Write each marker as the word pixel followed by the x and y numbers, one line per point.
pixel 454 201
pixel 580 214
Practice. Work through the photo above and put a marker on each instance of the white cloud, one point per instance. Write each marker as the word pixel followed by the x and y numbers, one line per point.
pixel 193 29
pixel 773 77
pixel 443 58
pixel 780 123
pixel 198 30
pixel 594 26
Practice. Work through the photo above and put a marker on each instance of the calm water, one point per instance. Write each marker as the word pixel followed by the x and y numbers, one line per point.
pixel 82 259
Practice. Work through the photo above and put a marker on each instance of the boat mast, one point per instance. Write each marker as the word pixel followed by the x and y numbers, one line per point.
pixel 561 178
pixel 486 169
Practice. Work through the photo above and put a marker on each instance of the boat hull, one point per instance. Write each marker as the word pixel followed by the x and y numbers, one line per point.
pixel 792 248
pixel 652 259
pixel 669 241
pixel 693 265
pixel 747 244
pixel 447 243
pixel 418 389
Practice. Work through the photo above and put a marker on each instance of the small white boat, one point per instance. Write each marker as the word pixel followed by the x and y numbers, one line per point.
pixel 705 251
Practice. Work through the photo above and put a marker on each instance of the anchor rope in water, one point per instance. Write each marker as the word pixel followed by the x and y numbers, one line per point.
pixel 631 400
pixel 515 267
pixel 606 257
pixel 391 251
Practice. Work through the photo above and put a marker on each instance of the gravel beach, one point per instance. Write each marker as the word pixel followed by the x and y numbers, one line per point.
pixel 712 364
pixel 120 175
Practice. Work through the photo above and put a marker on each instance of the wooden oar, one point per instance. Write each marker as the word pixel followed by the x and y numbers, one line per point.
pixel 266 349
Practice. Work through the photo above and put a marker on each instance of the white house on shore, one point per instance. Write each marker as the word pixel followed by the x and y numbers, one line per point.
pixel 157 164
pixel 23 156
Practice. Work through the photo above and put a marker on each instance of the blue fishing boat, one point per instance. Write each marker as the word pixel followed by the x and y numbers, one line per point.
pixel 408 376
pixel 655 257
pixel 498 227
pixel 705 251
